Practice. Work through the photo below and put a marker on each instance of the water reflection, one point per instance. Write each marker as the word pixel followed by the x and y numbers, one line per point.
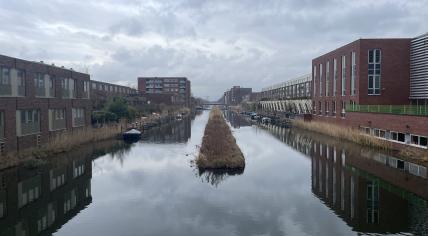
pixel 236 120
pixel 178 131
pixel 373 192
pixel 39 200
pixel 215 177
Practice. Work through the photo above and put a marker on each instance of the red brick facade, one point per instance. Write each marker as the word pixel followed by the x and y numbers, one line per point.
pixel 9 105
pixel 394 75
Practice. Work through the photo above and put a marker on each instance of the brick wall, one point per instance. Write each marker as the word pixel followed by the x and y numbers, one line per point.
pixel 9 105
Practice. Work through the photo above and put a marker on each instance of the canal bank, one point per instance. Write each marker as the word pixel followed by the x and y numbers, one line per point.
pixel 295 183
pixel 68 141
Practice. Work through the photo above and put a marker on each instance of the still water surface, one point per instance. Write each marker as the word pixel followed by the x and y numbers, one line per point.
pixel 294 183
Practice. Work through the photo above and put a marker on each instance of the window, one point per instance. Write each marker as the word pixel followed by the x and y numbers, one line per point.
pixel 374 60
pixel 5 76
pixel 353 73
pixel 1 125
pixel 85 89
pixel 320 108
pixel 27 122
pixel 334 77
pixel 399 137
pixel 50 87
pixel 418 140
pixel 333 107
pixel 68 88
pixel 78 117
pixel 327 79
pixel 39 84
pixel 326 108
pixel 5 83
pixel 315 77
pixel 343 109
pixel 320 80
pixel 94 85
pixel 343 75
pixel 57 119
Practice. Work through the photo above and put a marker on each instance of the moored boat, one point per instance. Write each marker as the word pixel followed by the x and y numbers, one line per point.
pixel 132 134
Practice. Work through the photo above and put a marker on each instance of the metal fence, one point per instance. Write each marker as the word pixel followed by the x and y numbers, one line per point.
pixel 390 109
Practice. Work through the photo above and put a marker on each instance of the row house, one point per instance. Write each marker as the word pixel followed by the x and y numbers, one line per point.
pixel 38 100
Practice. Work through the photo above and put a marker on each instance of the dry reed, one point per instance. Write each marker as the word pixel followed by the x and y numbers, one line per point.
pixel 341 132
pixel 219 149
pixel 61 142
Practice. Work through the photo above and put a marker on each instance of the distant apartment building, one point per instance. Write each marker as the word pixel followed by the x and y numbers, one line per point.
pixel 101 92
pixel 177 88
pixel 235 95
pixel 38 100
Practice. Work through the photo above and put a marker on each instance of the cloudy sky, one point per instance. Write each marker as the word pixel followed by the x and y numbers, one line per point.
pixel 215 43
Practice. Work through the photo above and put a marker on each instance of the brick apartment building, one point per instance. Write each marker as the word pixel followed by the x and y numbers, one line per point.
pixel 38 101
pixel 235 95
pixel 102 91
pixel 370 84
pixel 366 71
pixel 173 90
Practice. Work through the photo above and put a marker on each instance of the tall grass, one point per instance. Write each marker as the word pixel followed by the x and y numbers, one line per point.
pixel 219 149
pixel 66 140
pixel 61 142
pixel 342 132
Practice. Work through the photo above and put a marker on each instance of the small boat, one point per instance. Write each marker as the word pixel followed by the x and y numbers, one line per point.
pixel 132 134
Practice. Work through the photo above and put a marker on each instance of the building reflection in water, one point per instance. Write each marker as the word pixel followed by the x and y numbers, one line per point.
pixel 178 131
pixel 372 192
pixel 39 200
pixel 236 120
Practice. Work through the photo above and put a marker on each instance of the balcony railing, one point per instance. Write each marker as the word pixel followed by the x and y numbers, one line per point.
pixel 413 110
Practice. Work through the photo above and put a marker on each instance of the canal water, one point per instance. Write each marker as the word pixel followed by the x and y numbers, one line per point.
pixel 294 183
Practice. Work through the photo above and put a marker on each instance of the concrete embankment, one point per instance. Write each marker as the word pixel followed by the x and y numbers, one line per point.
pixel 219 149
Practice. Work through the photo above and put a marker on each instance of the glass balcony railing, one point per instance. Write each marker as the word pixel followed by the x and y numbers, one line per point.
pixel 413 110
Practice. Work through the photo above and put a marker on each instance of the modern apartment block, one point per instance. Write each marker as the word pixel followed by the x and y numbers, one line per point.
pixel 178 87
pixel 366 71
pixel 235 95
pixel 37 101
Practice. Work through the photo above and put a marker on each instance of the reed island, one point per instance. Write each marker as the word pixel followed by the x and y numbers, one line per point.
pixel 219 150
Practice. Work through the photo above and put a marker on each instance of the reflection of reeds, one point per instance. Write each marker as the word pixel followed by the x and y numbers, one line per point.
pixel 342 132
pixel 215 177
pixel 219 149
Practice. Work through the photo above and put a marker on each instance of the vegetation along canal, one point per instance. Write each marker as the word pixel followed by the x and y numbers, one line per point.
pixel 294 183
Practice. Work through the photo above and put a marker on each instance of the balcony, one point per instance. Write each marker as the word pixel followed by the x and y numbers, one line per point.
pixel 412 110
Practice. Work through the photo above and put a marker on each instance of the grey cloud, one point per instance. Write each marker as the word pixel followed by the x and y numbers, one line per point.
pixel 216 44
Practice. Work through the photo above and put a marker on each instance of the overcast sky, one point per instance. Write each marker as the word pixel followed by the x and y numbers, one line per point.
pixel 216 44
